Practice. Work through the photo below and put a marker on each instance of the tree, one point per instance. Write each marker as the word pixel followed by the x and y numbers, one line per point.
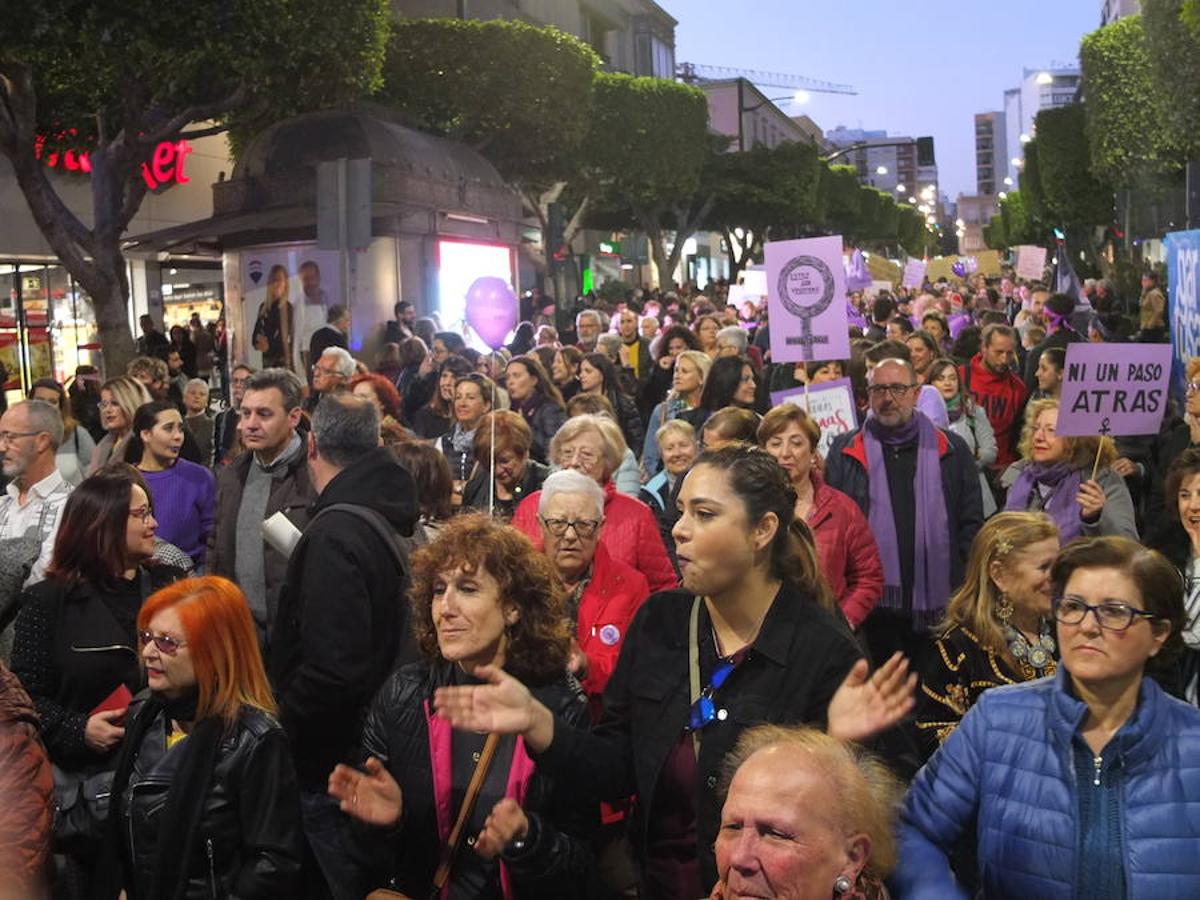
pixel 117 79
pixel 1074 196
pixel 1172 29
pixel 1124 110
pixel 759 192
pixel 911 231
pixel 520 95
pixel 839 199
pixel 1018 226
pixel 993 233
pixel 1030 181
pixel 650 160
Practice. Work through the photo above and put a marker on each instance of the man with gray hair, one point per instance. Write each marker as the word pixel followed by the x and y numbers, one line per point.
pixel 269 477
pixel 330 374
pixel 342 616
pixel 33 499
pixel 602 593
pixel 588 326
pixel 732 341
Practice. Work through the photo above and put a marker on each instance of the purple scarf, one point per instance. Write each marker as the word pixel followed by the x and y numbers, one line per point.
pixel 931 567
pixel 1063 479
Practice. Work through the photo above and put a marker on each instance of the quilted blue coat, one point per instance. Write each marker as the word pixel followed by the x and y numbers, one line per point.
pixel 1008 772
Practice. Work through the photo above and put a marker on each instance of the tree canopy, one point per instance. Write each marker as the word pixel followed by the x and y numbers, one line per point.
pixel 1072 194
pixel 1172 29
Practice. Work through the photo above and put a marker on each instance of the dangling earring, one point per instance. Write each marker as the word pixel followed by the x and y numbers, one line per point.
pixel 1004 609
pixel 842 884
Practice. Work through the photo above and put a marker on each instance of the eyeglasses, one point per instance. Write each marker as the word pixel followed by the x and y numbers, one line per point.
pixel 142 512
pixel 897 391
pixel 583 457
pixel 164 642
pixel 1193 387
pixel 9 436
pixel 704 710
pixel 584 528
pixel 1111 614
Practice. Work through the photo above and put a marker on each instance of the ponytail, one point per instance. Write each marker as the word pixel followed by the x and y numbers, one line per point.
pixel 795 558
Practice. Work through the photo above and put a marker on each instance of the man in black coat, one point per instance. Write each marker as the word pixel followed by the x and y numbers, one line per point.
pixel 342 613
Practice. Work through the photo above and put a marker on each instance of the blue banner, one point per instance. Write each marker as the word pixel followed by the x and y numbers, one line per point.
pixel 1183 279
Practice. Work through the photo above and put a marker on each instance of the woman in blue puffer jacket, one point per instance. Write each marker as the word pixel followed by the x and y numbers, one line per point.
pixel 1083 785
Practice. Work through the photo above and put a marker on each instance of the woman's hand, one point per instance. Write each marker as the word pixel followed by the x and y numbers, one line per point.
pixel 102 732
pixel 666 361
pixel 506 823
pixel 1091 500
pixel 864 706
pixel 502 705
pixel 261 343
pixel 426 366
pixel 1125 467
pixel 372 797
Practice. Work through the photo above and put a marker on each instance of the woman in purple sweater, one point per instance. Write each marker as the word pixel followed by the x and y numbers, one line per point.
pixel 184 493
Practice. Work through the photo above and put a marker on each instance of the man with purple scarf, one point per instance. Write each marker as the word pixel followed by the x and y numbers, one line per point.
pixel 918 487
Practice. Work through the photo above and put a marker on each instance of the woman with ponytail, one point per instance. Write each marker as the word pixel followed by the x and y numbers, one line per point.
pixel 753 637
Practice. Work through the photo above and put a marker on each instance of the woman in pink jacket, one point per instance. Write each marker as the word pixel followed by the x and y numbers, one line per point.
pixel 595 446
pixel 849 557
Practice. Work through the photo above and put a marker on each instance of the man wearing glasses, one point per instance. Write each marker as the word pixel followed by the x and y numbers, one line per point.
pixel 331 373
pixel 32 503
pixel 917 485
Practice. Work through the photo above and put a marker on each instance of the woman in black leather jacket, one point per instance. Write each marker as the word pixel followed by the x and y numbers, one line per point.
pixel 74 647
pixel 205 802
pixel 482 596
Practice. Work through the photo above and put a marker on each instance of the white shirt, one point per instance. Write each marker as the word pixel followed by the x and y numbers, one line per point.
pixel 41 514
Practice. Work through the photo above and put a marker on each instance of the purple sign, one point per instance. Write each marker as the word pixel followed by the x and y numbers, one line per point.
pixel 830 405
pixel 1114 389
pixel 806 300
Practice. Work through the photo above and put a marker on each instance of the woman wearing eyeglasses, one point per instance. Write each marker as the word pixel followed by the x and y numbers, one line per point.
pixel 481 595
pixel 1081 785
pixel 74 648
pixel 1054 476
pixel 594 446
pixel 752 638
pixel 205 796
pixel 119 400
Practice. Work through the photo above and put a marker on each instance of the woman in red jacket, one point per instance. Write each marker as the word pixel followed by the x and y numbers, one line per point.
pixel 602 593
pixel 594 446
pixel 849 557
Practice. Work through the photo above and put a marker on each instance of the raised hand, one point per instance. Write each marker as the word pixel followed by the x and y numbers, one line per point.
pixel 864 706
pixel 506 823
pixel 372 796
pixel 502 705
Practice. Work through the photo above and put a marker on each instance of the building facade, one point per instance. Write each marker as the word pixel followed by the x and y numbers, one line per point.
pixel 747 116
pixel 973 213
pixel 990 149
pixel 1049 88
pixel 890 163
pixel 1111 10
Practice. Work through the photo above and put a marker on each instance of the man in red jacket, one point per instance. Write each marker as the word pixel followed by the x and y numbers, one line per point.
pixel 998 389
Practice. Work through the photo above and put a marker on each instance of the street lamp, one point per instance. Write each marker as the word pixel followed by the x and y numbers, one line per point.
pixel 912 199
pixel 1003 195
pixel 801 97
pixel 900 189
pixel 881 170
pixel 1008 181
pixel 1025 139
pixel 1017 161
pixel 1045 78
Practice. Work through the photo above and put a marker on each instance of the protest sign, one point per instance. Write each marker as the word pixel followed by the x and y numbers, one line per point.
pixel 806 300
pixel 1183 278
pixel 1031 262
pixel 754 281
pixel 1114 390
pixel 914 273
pixel 830 405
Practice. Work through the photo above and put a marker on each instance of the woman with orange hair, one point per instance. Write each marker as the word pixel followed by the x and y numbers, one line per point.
pixel 205 802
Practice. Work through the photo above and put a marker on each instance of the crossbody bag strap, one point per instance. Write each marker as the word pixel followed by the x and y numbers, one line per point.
pixel 694 665
pixel 442 875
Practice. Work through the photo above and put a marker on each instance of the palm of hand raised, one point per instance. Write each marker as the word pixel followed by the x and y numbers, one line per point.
pixel 503 705
pixel 372 796
pixel 864 706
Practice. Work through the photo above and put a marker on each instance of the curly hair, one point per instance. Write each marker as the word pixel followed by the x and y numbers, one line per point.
pixel 385 392
pixel 539 642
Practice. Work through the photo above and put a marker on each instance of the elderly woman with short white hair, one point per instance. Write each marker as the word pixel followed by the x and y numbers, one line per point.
pixel 603 593
pixel 732 341
pixel 593 446
pixel 783 782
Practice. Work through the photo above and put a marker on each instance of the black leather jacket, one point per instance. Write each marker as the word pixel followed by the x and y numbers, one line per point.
pixel 251 844
pixel 557 861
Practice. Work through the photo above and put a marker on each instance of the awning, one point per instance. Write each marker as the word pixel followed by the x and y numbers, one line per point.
pixel 209 236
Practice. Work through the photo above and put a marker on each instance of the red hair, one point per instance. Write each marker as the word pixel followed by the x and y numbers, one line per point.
pixel 221 638
pixel 384 390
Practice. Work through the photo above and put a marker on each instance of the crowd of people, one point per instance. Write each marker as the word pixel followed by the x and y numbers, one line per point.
pixel 590 616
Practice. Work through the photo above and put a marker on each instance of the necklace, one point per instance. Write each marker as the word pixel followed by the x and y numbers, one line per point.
pixel 1037 659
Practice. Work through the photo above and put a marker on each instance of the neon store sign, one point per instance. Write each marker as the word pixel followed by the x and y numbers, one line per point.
pixel 166 166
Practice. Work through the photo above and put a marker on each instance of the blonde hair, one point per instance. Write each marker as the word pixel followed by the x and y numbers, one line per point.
pixel 610 436
pixel 675 425
pixel 128 393
pixel 866 794
pixel 973 606
pixel 700 360
pixel 1192 369
pixel 1079 451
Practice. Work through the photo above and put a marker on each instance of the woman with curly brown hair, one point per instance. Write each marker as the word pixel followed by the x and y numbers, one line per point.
pixel 481 596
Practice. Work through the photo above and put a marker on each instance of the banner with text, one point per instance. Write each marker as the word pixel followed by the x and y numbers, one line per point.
pixel 1114 390
pixel 830 405
pixel 1183 279
pixel 806 300
pixel 1031 262
pixel 914 274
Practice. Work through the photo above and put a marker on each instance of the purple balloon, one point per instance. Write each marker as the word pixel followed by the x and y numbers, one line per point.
pixel 492 310
pixel 959 269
